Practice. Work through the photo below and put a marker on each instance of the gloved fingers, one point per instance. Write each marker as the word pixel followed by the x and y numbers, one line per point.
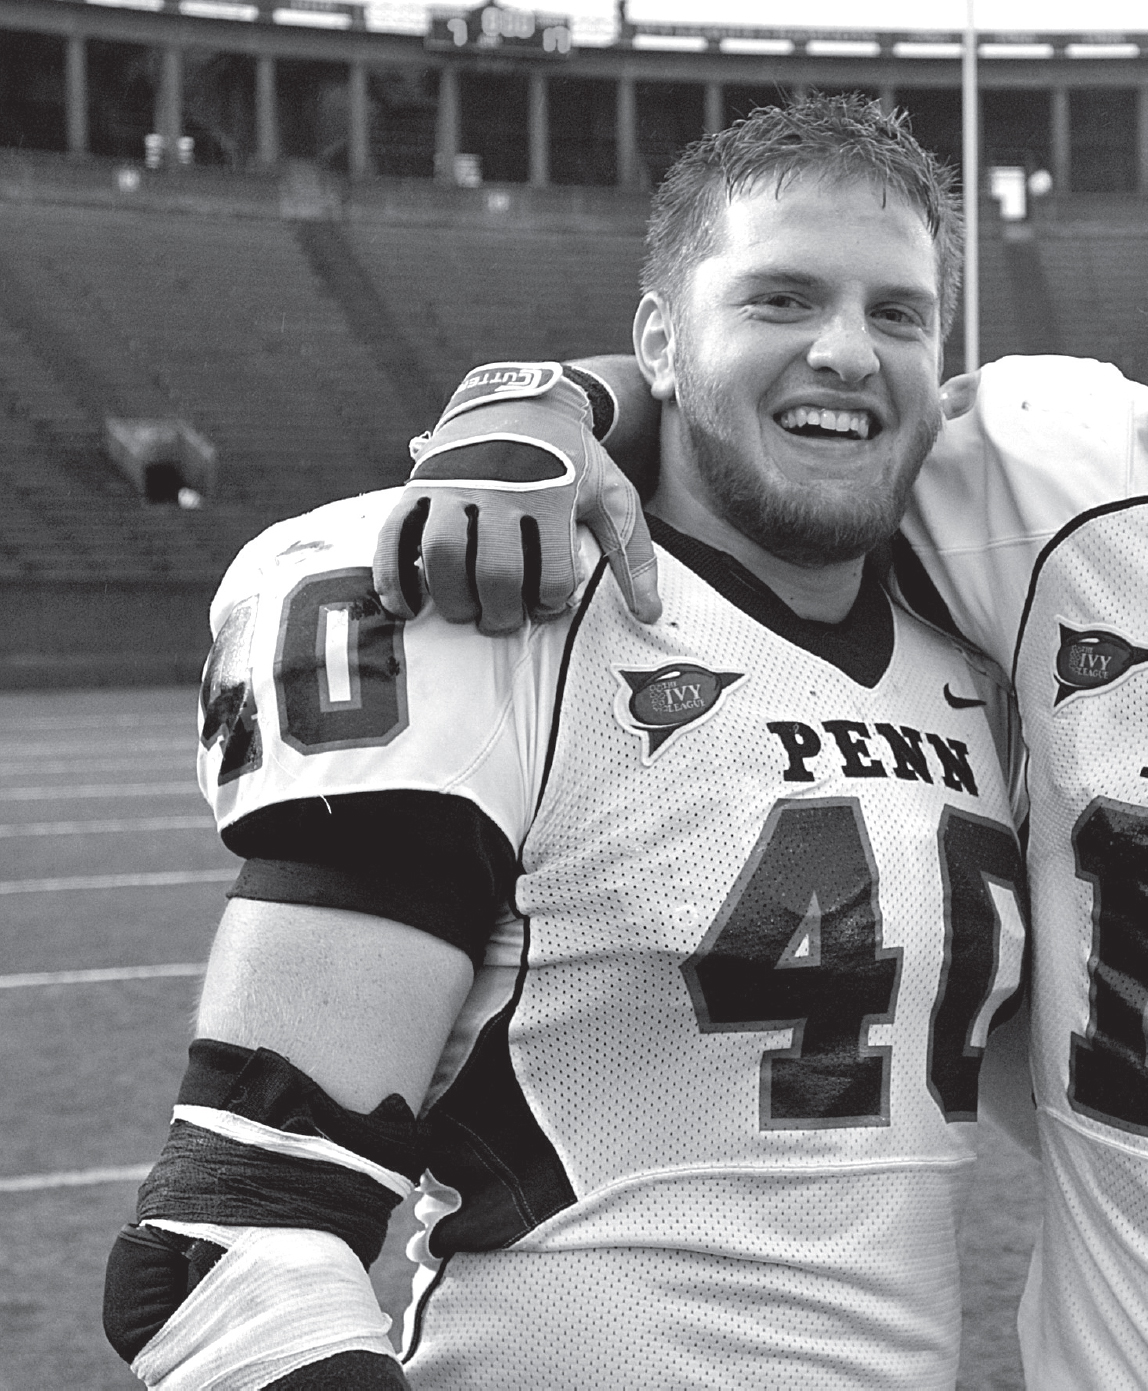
pixel 552 547
pixel 613 512
pixel 504 564
pixel 449 546
pixel 635 568
pixel 397 577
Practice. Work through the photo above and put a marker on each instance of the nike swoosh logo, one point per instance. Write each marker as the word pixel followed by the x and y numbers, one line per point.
pixel 961 702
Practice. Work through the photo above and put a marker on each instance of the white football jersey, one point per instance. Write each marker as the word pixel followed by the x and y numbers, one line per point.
pixel 765 916
pixel 1032 519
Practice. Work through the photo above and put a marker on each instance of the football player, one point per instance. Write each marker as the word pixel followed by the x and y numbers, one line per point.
pixel 1027 530
pixel 682 941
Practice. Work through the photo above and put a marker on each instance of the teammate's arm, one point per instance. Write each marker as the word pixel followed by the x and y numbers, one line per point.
pixel 633 438
pixel 293 1139
pixel 487 521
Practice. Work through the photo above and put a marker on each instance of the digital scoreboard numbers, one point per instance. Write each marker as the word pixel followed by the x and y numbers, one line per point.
pixel 501 29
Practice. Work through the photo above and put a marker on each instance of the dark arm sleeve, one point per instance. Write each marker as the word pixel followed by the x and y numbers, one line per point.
pixel 428 859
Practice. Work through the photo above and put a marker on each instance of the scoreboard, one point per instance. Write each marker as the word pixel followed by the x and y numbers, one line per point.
pixel 501 29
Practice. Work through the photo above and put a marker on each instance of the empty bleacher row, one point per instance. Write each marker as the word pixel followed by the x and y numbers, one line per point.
pixel 224 323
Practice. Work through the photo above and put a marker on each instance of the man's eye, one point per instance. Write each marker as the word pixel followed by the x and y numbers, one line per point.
pixel 898 314
pixel 778 300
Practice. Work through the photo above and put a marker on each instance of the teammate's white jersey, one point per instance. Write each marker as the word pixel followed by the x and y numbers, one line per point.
pixel 766 913
pixel 1032 519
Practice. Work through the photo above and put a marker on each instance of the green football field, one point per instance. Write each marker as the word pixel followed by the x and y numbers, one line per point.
pixel 111 882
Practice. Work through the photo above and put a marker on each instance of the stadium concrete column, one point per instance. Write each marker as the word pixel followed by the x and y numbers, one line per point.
pixel 266 112
pixel 714 117
pixel 1061 141
pixel 626 133
pixel 76 94
pixel 358 133
pixel 1142 139
pixel 447 124
pixel 538 129
pixel 169 113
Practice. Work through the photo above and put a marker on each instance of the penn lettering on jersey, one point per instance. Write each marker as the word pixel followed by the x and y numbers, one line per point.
pixel 913 755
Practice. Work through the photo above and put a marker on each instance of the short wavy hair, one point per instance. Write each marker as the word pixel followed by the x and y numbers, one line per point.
pixel 840 138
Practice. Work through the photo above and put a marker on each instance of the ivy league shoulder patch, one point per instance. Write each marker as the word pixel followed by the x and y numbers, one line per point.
pixel 1086 661
pixel 660 703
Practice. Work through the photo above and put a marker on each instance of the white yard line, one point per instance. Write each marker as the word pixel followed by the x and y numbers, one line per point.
pixel 157 879
pixel 98 974
pixel 124 825
pixel 74 1178
pixel 110 790
pixel 108 720
pixel 21 749
pixel 177 762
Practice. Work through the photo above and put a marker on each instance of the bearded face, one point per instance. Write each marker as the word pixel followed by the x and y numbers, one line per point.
pixel 810 522
pixel 805 367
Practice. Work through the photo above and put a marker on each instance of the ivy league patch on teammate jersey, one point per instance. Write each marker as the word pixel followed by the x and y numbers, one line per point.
pixel 1088 661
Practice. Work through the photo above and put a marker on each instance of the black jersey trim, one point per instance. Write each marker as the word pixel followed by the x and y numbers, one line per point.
pixel 861 645
pixel 486 1143
pixel 433 860
pixel 563 672
pixel 1081 518
pixel 918 590
pixel 421 1308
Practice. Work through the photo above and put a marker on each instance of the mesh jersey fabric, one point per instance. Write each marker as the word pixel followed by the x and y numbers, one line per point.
pixel 762 927
pixel 1032 520
pixel 1088 851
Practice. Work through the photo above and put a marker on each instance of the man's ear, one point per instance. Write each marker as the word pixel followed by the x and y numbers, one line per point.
pixel 654 345
pixel 959 394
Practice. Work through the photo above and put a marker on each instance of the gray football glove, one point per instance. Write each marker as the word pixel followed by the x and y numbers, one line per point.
pixel 494 500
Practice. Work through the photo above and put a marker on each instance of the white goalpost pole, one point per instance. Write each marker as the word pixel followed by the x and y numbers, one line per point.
pixel 971 157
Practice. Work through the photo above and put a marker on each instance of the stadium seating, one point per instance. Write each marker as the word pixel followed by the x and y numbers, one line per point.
pixel 309 352
pixel 225 323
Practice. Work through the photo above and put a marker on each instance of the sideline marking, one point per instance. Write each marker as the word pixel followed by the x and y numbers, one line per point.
pixel 156 879
pixel 103 973
pixel 82 828
pixel 25 1183
pixel 109 790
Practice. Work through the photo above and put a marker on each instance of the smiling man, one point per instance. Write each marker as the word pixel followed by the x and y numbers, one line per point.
pixel 799 367
pixel 683 941
pixel 1026 530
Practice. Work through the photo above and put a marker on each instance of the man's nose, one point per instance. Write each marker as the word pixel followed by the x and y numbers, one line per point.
pixel 845 348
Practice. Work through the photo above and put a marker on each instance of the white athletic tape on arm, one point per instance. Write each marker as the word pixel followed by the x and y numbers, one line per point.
pixel 266 1137
pixel 279 1299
